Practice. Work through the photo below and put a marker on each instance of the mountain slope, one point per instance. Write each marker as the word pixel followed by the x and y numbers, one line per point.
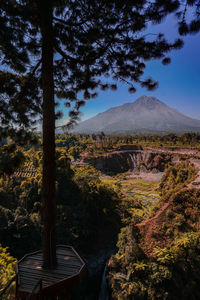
pixel 146 114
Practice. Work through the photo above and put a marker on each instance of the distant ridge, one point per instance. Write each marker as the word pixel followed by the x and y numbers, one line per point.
pixel 146 115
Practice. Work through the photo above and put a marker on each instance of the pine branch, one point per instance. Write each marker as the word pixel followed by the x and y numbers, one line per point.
pixel 35 68
pixel 66 56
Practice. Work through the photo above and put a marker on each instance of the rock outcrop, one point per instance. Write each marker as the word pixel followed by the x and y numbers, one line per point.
pixel 140 158
pixel 130 160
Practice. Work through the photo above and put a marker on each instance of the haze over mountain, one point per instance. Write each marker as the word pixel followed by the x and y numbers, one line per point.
pixel 146 115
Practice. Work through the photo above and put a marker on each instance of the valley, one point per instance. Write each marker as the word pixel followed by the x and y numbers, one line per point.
pixel 159 211
pixel 99 199
pixel 136 158
pixel 132 206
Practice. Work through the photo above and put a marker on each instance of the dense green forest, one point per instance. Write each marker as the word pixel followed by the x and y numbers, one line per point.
pixel 66 52
pixel 159 258
pixel 85 206
pixel 151 263
pixel 99 143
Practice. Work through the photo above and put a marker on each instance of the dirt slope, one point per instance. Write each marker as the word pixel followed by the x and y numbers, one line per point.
pixel 151 229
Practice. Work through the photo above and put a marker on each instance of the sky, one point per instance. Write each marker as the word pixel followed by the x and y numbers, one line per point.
pixel 179 82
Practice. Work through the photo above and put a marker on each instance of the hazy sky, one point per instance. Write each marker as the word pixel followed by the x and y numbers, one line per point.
pixel 179 82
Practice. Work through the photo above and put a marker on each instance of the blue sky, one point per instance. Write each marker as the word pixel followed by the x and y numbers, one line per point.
pixel 179 82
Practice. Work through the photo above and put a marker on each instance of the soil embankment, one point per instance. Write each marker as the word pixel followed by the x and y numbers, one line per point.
pixel 139 159
pixel 150 228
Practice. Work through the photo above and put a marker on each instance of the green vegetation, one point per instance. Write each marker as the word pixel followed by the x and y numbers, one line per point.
pixel 137 197
pixel 185 140
pixel 10 159
pixel 160 257
pixel 87 215
pixel 159 260
pixel 7 264
pixel 96 144
pixel 83 204
pixel 176 177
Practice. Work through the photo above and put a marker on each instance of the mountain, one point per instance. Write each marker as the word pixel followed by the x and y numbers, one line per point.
pixel 146 115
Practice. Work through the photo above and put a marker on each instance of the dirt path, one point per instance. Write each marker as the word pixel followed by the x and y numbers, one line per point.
pixel 194 184
pixel 149 228
pixel 156 216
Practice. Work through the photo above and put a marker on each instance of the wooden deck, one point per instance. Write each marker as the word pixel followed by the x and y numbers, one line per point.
pixel 70 267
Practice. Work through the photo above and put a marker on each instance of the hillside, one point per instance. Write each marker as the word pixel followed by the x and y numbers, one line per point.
pixel 145 115
pixel 159 257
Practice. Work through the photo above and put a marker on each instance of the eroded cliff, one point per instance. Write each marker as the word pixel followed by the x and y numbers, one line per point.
pixel 137 158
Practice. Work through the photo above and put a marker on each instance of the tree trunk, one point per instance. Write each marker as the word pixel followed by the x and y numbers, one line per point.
pixel 48 176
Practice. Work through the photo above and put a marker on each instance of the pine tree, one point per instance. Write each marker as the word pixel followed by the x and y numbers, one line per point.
pixel 188 25
pixel 67 49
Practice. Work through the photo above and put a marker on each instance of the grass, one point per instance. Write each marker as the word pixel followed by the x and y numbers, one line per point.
pixel 137 196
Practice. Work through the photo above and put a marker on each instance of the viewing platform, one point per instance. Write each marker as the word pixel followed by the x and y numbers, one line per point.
pixel 33 282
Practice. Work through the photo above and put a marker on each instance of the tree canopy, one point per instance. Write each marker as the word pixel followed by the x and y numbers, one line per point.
pixel 67 49
pixel 189 25
pixel 91 39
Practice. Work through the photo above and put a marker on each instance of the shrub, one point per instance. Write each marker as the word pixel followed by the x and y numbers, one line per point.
pixel 7 264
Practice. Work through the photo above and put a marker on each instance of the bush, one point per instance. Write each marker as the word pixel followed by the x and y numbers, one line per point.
pixel 7 265
pixel 170 269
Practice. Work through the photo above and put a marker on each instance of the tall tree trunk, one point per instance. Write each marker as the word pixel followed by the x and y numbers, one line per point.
pixel 48 177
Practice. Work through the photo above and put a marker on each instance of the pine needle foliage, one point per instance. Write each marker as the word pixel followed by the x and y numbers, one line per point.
pixel 91 39
pixel 64 48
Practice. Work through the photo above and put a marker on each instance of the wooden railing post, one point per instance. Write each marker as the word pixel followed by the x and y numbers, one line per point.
pixel 34 288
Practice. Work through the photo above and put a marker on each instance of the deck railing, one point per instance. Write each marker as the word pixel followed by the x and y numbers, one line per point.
pixel 38 283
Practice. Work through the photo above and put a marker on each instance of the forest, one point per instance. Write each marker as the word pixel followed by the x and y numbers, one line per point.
pixel 84 203
pixel 54 56
pixel 100 213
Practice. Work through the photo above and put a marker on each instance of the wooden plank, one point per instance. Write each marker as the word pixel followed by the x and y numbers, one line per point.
pixel 30 284
pixel 27 279
pixel 59 255
pixel 29 276
pixel 27 286
pixel 59 260
pixel 61 264
pixel 31 262
pixel 68 257
pixel 78 256
pixel 69 267
pixel 65 265
pixel 57 287
pixel 63 247
pixel 34 289
pixel 65 252
pixel 42 273
pixel 44 277
pixel 69 262
pixel 58 251
pixel 59 267
pixel 27 255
